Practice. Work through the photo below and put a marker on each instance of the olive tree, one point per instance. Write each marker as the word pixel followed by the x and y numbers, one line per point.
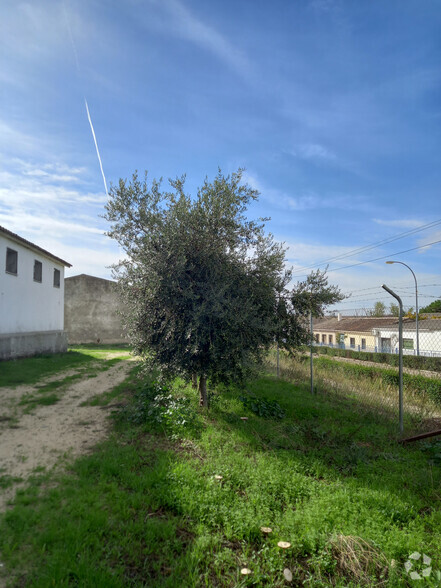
pixel 204 288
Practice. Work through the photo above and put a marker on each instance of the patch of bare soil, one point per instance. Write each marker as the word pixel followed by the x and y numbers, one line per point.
pixel 53 433
pixel 9 397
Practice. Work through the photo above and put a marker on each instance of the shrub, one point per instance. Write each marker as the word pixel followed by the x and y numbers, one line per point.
pixel 418 362
pixel 156 404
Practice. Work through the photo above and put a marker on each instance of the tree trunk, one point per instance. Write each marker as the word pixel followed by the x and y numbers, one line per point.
pixel 194 381
pixel 203 397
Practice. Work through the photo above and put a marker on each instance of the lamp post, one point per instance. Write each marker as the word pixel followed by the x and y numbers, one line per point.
pixel 416 302
pixel 400 357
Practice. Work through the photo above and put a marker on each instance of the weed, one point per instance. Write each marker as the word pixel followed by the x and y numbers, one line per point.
pixel 268 409
pixel 156 404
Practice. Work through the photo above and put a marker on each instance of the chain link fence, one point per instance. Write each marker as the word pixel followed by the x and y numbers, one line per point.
pixel 357 359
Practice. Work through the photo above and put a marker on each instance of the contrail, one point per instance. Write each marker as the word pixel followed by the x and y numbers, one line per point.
pixel 96 147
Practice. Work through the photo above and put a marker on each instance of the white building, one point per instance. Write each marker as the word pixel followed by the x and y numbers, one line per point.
pixel 31 298
pixel 429 336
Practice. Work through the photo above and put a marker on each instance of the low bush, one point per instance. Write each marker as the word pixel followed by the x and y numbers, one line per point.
pixel 418 362
pixel 156 404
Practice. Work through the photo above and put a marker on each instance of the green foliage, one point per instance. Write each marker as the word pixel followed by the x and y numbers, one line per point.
pixel 205 288
pixel 314 294
pixel 418 362
pixel 378 310
pixel 434 306
pixel 200 279
pixel 263 407
pixel 155 403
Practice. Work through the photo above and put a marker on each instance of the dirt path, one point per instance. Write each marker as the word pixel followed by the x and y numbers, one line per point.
pixel 51 434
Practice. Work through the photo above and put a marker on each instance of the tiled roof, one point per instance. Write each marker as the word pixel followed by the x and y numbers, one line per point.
pixel 354 323
pixel 426 322
pixel 30 245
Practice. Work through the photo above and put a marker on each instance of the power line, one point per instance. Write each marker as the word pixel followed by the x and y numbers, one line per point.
pixel 393 286
pixel 373 245
pixel 382 257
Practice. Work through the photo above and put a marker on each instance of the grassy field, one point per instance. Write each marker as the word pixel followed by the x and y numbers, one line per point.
pixel 177 497
pixel 370 388
pixel 32 369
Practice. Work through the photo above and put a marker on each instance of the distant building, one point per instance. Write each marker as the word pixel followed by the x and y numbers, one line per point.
pixel 91 308
pixel 380 334
pixel 429 336
pixel 31 298
pixel 351 332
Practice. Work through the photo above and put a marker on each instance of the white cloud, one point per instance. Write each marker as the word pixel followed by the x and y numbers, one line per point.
pixel 280 198
pixel 308 200
pixel 435 236
pixel 402 223
pixel 13 139
pixel 314 151
pixel 49 203
pixel 181 22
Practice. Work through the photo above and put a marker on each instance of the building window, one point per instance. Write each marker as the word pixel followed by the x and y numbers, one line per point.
pixel 323 338
pixel 38 271
pixel 11 261
pixel 352 341
pixel 56 278
pixel 330 339
pixel 407 343
pixel 363 343
pixel 317 338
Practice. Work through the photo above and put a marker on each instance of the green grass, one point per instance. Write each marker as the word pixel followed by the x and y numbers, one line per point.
pixel 145 509
pixel 31 402
pixel 32 369
pixel 7 481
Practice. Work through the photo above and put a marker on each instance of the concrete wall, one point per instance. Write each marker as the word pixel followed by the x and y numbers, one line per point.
pixel 27 306
pixel 27 344
pixel 91 310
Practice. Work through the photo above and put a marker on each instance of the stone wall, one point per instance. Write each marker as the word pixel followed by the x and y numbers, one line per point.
pixel 91 310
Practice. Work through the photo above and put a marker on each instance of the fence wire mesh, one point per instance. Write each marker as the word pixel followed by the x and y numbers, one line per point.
pixel 356 359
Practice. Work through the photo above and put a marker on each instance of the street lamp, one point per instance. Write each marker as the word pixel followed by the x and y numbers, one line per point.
pixel 416 303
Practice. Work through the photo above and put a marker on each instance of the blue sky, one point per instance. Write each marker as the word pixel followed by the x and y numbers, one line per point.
pixel 333 107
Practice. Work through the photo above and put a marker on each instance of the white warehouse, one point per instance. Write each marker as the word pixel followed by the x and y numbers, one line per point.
pixel 31 298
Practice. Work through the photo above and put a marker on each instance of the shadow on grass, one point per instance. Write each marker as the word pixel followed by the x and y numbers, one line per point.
pixel 110 527
pixel 30 370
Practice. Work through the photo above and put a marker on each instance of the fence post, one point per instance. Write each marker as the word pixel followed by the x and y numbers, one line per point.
pixel 400 351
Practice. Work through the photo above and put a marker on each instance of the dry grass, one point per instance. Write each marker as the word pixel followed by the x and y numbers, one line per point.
pixel 359 560
pixel 368 394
